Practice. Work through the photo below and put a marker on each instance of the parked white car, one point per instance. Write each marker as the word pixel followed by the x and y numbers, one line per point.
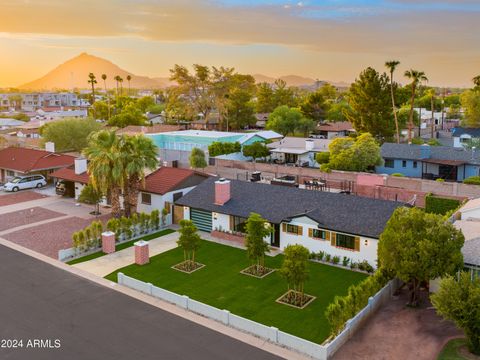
pixel 25 182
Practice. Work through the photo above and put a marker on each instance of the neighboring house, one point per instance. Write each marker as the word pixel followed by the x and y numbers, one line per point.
pixel 262 119
pixel 75 177
pixel 331 130
pixel 16 161
pixel 165 186
pixel 154 129
pixel 34 101
pixel 156 118
pixel 298 151
pixel 462 136
pixel 28 133
pixel 201 124
pixel 429 162
pixel 6 124
pixel 338 224
pixel 469 222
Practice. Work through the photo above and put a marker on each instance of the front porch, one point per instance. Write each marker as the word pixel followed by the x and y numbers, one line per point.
pixel 448 170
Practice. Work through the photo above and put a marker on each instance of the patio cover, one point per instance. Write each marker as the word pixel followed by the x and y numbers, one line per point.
pixel 444 162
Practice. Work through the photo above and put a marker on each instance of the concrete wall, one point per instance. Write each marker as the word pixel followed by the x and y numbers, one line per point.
pixel 407 170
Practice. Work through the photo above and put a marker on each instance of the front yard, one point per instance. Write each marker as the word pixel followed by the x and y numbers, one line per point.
pixel 220 284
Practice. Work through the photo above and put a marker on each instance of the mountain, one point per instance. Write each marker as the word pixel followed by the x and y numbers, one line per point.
pixel 74 74
pixel 299 81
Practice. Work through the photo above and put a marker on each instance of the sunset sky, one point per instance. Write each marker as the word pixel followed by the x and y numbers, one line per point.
pixel 325 39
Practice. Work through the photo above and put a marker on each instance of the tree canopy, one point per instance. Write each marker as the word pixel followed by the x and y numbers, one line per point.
pixel 69 134
pixel 471 103
pixel 256 150
pixel 285 120
pixel 257 229
pixel 197 159
pixel 218 148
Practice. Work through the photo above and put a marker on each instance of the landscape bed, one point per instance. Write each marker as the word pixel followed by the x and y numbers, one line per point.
pixel 220 284
pixel 121 246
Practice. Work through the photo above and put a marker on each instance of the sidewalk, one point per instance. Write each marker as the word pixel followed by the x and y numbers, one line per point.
pixel 107 264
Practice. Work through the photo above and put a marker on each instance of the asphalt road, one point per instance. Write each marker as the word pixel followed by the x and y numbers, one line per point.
pixel 78 319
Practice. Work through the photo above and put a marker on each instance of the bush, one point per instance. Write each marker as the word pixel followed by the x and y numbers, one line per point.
pixel 336 259
pixel 345 261
pixel 325 168
pixel 320 255
pixel 312 255
pixel 438 205
pixel 365 266
pixel 434 142
pixel 328 257
pixel 353 265
pixel 417 141
pixel 440 180
pixel 322 157
pixel 473 180
pixel 398 175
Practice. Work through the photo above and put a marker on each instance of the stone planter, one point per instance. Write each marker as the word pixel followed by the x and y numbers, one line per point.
pixel 240 239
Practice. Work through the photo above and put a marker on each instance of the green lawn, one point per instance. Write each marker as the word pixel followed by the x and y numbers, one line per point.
pixel 451 350
pixel 121 246
pixel 220 284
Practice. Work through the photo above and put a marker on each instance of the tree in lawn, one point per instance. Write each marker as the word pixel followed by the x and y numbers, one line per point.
pixel 90 195
pixel 257 229
pixel 189 240
pixel 197 159
pixel 294 271
pixel 459 300
pixel 418 247
pixel 256 150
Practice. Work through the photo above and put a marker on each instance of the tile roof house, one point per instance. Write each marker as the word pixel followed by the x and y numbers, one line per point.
pixel 15 161
pixel 331 130
pixel 429 162
pixel 339 224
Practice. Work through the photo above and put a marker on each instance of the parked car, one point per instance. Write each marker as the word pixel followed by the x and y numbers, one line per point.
pixel 25 182
pixel 65 188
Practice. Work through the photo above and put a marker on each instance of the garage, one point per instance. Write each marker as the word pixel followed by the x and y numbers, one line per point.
pixel 202 219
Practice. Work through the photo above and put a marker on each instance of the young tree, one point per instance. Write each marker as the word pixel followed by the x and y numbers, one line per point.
pixel 370 102
pixel 256 150
pixel 257 229
pixel 418 247
pixel 197 159
pixel 90 195
pixel 69 134
pixel 459 300
pixel 294 270
pixel 189 240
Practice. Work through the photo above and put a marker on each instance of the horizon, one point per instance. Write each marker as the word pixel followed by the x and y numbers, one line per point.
pixel 331 40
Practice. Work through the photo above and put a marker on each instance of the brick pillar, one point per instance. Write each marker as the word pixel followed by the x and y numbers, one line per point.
pixel 141 253
pixel 108 242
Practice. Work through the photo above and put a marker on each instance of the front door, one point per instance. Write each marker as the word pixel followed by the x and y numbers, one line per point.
pixel 275 237
pixel 177 214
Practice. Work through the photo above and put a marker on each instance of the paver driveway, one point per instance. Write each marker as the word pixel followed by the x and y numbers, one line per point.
pixel 19 197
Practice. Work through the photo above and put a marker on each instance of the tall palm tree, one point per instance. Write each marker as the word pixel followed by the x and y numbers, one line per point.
pixel 416 77
pixel 92 81
pixel 117 80
pixel 104 78
pixel 392 66
pixel 120 80
pixel 106 166
pixel 139 153
pixel 129 77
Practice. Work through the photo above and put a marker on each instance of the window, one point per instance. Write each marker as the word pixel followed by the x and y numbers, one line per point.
pixel 389 163
pixel 404 163
pixel 414 164
pixel 319 234
pixel 146 198
pixel 238 224
pixel 10 173
pixel 167 206
pixel 345 241
pixel 293 229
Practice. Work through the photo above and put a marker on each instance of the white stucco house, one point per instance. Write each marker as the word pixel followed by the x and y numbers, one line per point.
pixel 298 151
pixel 338 224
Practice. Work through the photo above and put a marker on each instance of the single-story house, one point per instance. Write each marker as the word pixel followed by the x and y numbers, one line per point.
pixel 331 130
pixel 17 161
pixel 429 162
pixel 298 151
pixel 262 119
pixel 338 224
pixel 468 220
pixel 462 136
pixel 6 123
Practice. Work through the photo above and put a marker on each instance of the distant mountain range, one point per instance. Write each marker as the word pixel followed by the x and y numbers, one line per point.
pixel 74 74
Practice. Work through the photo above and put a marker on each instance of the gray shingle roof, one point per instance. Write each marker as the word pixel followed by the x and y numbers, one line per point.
pixel 413 152
pixel 340 212
pixel 458 131
pixel 471 252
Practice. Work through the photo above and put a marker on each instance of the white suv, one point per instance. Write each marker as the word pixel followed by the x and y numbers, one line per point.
pixel 25 182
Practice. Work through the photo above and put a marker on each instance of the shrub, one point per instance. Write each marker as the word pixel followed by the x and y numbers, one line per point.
pixel 320 255
pixel 336 259
pixel 325 168
pixel 345 261
pixel 353 265
pixel 312 255
pixel 322 157
pixel 473 180
pixel 438 205
pixel 328 257
pixel 365 266
pixel 440 180
pixel 398 175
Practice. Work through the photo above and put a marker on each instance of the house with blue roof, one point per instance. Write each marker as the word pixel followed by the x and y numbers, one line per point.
pixel 462 136
pixel 429 162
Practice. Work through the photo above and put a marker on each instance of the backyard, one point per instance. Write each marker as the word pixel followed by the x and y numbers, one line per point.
pixel 220 284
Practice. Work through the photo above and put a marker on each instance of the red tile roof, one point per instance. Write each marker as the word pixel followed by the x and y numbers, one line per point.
pixel 27 160
pixel 69 174
pixel 166 179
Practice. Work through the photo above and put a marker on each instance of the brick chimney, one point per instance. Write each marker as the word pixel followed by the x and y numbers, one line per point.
pixel 222 191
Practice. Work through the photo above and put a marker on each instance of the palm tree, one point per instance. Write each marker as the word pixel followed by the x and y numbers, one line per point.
pixel 120 80
pixel 139 153
pixel 128 79
pixel 92 80
pixel 105 166
pixel 391 66
pixel 117 80
pixel 432 94
pixel 104 78
pixel 416 77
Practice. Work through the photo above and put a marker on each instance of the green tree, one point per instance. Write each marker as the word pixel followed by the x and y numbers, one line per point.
pixel 294 270
pixel 101 110
pixel 418 247
pixel 370 102
pixel 256 150
pixel 197 159
pixel 239 109
pixel 265 102
pixel 104 78
pixel 471 103
pixel 284 120
pixel 329 92
pixel 283 94
pixel 106 166
pixel 129 78
pixel 144 103
pixel 257 229
pixel 130 115
pixel 189 241
pixel 314 106
pixel 322 157
pixel 416 78
pixel 392 66
pixel 357 154
pixel 337 111
pixel 218 148
pixel 90 195
pixel 459 300
pixel 69 134
pixel 305 126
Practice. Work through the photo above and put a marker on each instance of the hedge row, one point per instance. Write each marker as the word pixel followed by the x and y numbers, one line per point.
pixel 438 205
